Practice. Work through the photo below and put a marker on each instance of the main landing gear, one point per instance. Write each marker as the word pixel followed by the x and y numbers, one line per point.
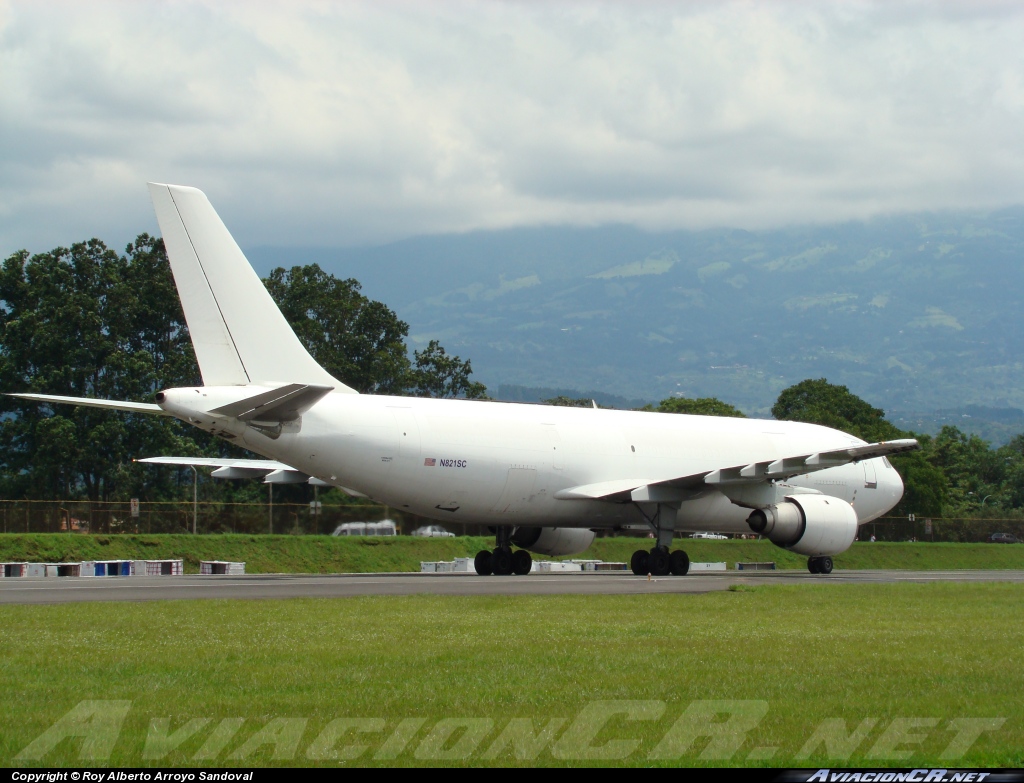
pixel 819 565
pixel 659 561
pixel 503 561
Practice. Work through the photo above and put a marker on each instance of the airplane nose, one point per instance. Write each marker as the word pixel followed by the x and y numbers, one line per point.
pixel 893 487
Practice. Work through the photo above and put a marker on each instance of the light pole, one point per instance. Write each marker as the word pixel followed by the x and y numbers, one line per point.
pixel 195 497
pixel 984 498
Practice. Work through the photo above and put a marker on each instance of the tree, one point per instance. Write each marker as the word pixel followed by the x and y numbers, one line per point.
pixel 820 402
pixel 1012 458
pixel 436 374
pixel 972 469
pixel 925 486
pixel 700 406
pixel 356 339
pixel 84 321
pixel 561 401
pixel 361 341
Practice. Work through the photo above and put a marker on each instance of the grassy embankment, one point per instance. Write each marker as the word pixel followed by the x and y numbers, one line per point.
pixel 328 554
pixel 904 662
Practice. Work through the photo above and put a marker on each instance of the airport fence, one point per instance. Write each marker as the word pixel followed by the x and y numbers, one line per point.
pixel 70 516
pixel 49 516
pixel 952 529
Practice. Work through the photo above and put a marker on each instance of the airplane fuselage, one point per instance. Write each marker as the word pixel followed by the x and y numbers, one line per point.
pixel 503 464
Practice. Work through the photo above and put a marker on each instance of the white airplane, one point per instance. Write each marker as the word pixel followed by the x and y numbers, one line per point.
pixel 544 478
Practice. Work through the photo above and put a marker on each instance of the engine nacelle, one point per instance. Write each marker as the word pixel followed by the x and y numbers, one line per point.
pixel 811 525
pixel 553 541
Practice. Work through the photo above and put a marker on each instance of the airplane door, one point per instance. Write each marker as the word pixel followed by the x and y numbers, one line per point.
pixel 407 457
pixel 408 434
pixel 553 442
pixel 870 479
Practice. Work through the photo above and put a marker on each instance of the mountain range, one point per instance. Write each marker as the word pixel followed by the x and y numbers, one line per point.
pixel 917 314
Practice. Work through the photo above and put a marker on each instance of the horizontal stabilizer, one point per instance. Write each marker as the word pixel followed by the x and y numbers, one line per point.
pixel 218 462
pixel 92 402
pixel 284 404
pixel 271 471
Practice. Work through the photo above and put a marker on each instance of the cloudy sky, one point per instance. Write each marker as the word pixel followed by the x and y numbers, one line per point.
pixel 354 123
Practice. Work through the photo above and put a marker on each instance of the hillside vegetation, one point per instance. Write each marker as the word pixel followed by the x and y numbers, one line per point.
pixel 913 312
pixel 328 554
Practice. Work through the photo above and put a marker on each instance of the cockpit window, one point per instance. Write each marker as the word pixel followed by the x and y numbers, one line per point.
pixel 886 461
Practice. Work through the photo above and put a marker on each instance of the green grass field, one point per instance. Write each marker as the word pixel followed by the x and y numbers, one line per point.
pixel 328 554
pixel 920 670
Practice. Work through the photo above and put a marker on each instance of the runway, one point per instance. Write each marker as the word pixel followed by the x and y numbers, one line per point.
pixel 277 586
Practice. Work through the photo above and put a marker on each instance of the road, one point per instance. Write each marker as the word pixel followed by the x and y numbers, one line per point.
pixel 276 586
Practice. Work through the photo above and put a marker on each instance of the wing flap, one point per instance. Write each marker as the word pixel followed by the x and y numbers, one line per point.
pixel 600 490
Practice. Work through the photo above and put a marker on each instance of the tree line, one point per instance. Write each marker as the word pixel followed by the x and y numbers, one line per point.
pixel 954 474
pixel 86 321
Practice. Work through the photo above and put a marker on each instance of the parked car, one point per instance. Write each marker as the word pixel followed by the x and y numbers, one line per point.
pixel 386 527
pixel 432 531
pixel 1003 538
pixel 708 535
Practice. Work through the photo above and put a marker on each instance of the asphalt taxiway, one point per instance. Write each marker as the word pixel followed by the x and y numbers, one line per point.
pixel 55 590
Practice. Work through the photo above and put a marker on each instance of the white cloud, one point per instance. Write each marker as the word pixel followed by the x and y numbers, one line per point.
pixel 359 122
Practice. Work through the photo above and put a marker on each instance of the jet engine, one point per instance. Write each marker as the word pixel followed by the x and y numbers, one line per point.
pixel 553 541
pixel 811 525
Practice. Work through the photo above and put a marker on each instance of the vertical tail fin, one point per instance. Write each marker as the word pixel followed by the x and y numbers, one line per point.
pixel 239 334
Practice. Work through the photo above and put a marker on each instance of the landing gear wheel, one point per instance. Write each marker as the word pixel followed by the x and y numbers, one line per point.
pixel 521 562
pixel 820 565
pixel 501 562
pixel 679 562
pixel 658 562
pixel 638 563
pixel 482 563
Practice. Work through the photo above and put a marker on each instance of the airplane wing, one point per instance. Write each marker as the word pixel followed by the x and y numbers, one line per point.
pixel 92 402
pixel 271 471
pixel 658 490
